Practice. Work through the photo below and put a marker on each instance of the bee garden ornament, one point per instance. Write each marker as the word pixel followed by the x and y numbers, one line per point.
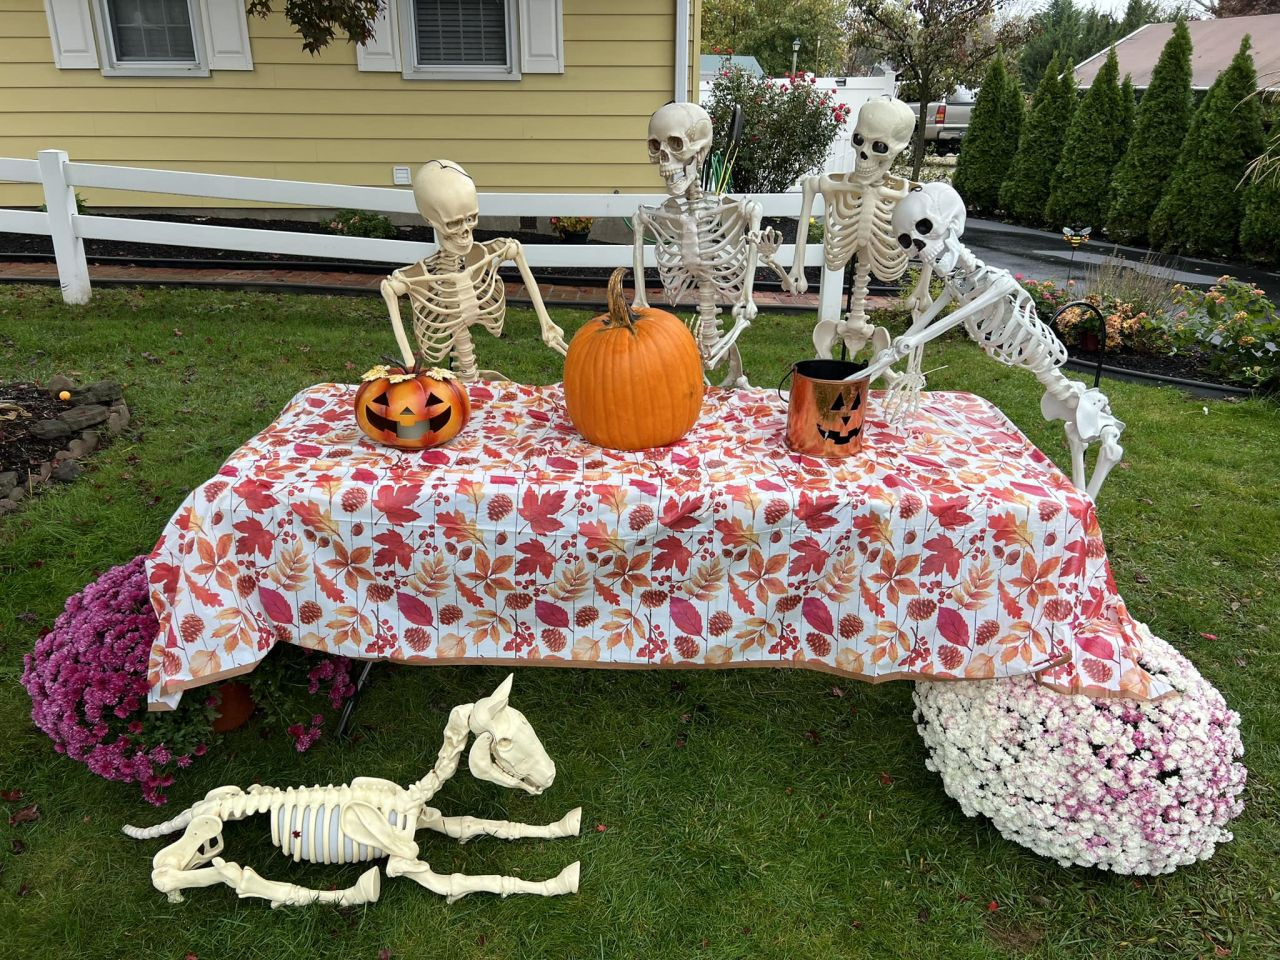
pixel 370 818
pixel 458 286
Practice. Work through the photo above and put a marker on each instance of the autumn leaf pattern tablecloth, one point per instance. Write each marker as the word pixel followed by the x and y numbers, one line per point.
pixel 949 549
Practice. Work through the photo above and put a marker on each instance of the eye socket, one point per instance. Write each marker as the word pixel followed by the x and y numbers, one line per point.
pixel 857 140
pixel 675 143
pixel 432 399
pixel 654 145
pixel 880 147
pixel 904 241
pixel 924 226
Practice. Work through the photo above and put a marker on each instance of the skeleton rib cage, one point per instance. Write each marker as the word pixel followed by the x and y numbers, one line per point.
pixel 718 252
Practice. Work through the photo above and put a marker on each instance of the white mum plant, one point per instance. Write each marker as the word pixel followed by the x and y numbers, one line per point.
pixel 1133 787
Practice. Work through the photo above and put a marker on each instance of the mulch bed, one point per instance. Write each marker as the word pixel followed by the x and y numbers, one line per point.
pixel 45 437
pixel 1182 366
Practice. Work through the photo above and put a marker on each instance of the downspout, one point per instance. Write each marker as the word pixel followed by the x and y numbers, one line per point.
pixel 682 51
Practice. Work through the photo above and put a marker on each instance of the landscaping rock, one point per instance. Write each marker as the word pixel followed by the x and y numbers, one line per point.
pixel 67 471
pixel 17 493
pixel 8 480
pixel 91 439
pixel 119 418
pixel 103 392
pixel 57 383
pixel 89 415
pixel 7 506
pixel 50 429
pixel 77 448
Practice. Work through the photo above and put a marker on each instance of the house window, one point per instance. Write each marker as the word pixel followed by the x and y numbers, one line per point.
pixel 151 37
pixel 459 38
pixel 149 30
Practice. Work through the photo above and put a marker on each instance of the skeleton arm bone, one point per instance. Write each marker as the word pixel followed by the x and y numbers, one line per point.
pixel 393 288
pixel 552 335
pixel 798 282
pixel 919 300
pixel 638 223
pixel 926 328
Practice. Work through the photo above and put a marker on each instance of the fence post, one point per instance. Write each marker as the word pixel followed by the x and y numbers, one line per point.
pixel 829 290
pixel 68 248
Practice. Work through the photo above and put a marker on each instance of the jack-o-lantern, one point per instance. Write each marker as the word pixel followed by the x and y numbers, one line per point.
pixel 411 409
pixel 825 411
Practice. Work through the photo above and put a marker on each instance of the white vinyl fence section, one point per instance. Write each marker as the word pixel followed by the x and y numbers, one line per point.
pixel 60 177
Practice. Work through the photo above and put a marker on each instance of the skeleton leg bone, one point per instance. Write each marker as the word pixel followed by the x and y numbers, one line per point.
pixel 247 883
pixel 455 886
pixel 463 829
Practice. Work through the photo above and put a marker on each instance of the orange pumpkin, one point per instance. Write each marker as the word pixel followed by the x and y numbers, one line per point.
pixel 633 380
pixel 411 409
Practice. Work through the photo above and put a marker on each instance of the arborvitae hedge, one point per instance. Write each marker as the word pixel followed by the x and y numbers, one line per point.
pixel 1081 188
pixel 1026 190
pixel 1260 231
pixel 1161 127
pixel 1201 212
pixel 992 138
pixel 1128 100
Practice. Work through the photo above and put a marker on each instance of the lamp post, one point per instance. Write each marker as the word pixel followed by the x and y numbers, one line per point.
pixel 795 52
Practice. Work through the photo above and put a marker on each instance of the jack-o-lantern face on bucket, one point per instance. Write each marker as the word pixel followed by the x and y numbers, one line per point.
pixel 842 420
pixel 411 409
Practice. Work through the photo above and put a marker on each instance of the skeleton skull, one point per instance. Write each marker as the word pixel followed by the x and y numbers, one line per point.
pixel 506 750
pixel 446 198
pixel 928 223
pixel 679 141
pixel 882 131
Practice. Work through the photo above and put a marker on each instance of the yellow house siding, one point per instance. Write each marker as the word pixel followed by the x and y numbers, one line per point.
pixel 300 117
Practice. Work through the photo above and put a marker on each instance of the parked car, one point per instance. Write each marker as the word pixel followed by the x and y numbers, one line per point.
pixel 946 121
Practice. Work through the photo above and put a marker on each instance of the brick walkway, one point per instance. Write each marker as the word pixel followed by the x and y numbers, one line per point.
pixel 331 281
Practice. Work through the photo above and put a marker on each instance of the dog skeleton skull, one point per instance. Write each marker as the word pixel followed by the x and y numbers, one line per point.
pixel 679 141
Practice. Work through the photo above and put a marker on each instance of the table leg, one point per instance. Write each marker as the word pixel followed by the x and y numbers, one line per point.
pixel 350 705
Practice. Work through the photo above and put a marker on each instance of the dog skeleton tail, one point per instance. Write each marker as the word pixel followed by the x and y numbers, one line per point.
pixel 160 829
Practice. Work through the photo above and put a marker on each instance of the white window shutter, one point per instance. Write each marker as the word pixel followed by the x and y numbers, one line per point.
pixel 382 51
pixel 71 32
pixel 226 35
pixel 541 36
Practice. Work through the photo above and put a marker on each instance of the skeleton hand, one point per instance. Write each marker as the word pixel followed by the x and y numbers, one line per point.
pixel 553 337
pixel 767 242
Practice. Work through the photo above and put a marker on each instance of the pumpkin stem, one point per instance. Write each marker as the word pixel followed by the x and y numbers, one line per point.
pixel 620 312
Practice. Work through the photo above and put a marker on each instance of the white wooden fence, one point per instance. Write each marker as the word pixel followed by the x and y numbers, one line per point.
pixel 60 177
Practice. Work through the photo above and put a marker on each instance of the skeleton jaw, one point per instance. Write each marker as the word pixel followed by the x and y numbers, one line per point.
pixel 679 176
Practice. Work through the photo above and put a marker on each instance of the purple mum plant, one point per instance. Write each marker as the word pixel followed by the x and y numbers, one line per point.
pixel 87 678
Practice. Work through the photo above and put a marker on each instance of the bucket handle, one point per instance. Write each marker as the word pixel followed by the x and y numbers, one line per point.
pixel 785 377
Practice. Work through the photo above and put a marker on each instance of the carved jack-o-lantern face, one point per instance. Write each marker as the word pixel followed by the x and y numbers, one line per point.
pixel 411 410
pixel 839 406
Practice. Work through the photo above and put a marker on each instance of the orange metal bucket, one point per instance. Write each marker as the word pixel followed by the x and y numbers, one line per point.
pixel 825 411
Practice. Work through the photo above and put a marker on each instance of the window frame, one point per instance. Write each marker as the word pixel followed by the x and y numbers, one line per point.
pixel 198 66
pixel 412 70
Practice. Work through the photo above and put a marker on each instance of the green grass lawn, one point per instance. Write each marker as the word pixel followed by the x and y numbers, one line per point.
pixel 748 813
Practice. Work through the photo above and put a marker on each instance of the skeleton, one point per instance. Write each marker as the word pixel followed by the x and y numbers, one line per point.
pixel 857 220
pixel 371 818
pixel 1001 317
pixel 458 286
pixel 710 244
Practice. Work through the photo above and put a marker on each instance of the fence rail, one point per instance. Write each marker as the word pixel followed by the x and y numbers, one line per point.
pixel 59 177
